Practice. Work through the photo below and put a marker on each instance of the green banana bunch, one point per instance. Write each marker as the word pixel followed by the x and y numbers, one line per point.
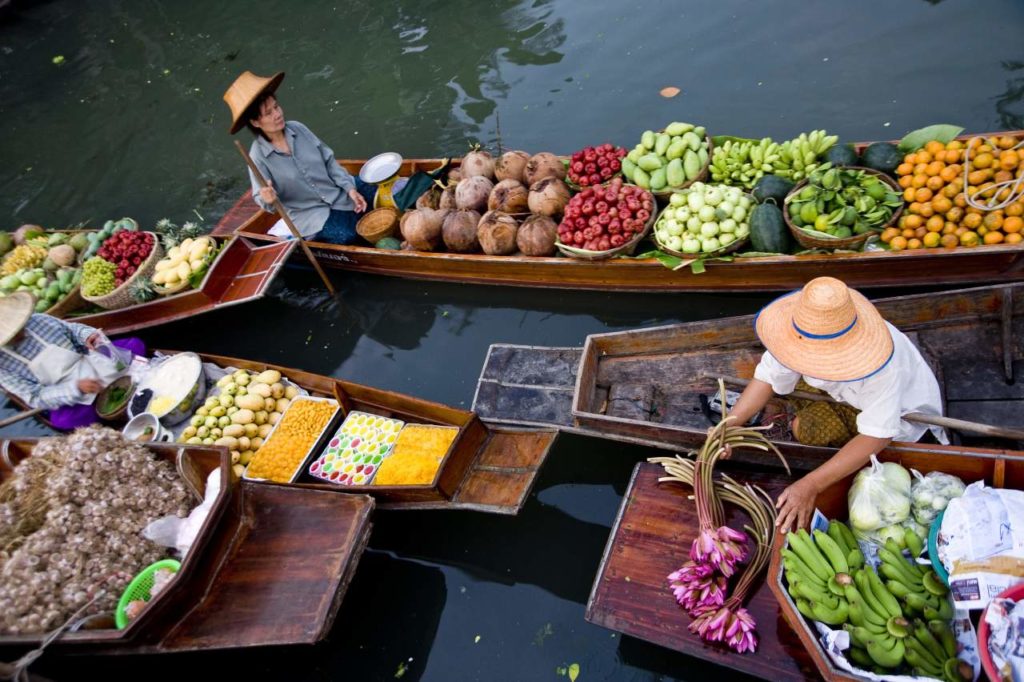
pixel 743 163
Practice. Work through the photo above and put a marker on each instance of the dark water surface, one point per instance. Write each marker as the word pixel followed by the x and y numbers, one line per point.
pixel 131 123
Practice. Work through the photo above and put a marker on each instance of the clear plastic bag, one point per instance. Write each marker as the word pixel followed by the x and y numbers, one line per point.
pixel 879 496
pixel 931 493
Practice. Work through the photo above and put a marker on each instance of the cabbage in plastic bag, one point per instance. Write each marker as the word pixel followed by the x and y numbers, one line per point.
pixel 879 496
pixel 931 493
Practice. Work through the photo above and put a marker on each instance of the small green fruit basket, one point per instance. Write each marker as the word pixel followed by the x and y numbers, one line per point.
pixel 139 589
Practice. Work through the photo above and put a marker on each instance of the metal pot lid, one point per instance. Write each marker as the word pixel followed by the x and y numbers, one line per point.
pixel 380 167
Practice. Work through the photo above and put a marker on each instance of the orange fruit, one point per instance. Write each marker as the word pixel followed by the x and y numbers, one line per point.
pixel 1008 159
pixel 982 231
pixel 934 168
pixel 942 204
pixel 935 224
pixel 1006 142
pixel 953 155
pixel 907 233
pixel 969 239
pixel 979 176
pixel 950 241
pixel 950 190
pixel 960 200
pixel 1015 209
pixel 914 243
pixel 905 169
pixel 948 173
pixel 924 156
pixel 993 221
pixel 983 160
pixel 1014 238
pixel 898 243
pixel 926 210
pixel 912 221
pixel 914 207
pixel 934 147
pixel 920 232
pixel 908 194
pixel 971 221
pixel 931 240
pixel 1013 224
pixel 994 237
pixel 910 158
pixel 919 180
pixel 935 183
pixel 949 228
pixel 954 214
pixel 1003 176
pixel 906 180
pixel 922 194
pixel 888 233
pixel 954 144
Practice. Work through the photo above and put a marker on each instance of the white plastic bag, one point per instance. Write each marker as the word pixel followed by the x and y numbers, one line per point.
pixel 879 496
pixel 930 494
pixel 171 531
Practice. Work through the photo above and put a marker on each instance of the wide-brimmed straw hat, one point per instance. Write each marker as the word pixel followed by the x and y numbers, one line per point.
pixel 15 310
pixel 244 91
pixel 826 331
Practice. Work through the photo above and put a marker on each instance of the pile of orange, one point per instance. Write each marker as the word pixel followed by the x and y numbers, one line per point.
pixel 938 213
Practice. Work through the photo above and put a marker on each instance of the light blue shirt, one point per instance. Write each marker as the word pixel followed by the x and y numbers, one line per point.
pixel 309 182
pixel 15 376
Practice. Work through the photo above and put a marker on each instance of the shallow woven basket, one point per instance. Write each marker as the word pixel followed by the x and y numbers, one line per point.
pixel 377 224
pixel 72 301
pixel 121 297
pixel 809 241
pixel 627 249
pixel 735 246
pixel 662 195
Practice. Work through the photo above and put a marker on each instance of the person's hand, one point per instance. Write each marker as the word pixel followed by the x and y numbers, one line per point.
pixel 94 339
pixel 796 505
pixel 268 195
pixel 358 200
pixel 89 386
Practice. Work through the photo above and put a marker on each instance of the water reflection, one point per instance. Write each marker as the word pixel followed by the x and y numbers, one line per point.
pixel 1008 104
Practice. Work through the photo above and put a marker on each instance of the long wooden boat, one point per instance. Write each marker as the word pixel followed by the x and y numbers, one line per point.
pixel 261 573
pixel 643 386
pixel 651 538
pixel 875 269
pixel 242 272
pixel 488 468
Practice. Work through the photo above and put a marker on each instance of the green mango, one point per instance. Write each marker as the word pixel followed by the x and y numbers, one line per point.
pixel 675 129
pixel 662 143
pixel 675 175
pixel 641 178
pixel 650 162
pixel 647 139
pixel 676 150
pixel 658 179
pixel 628 167
pixel 692 141
pixel 691 164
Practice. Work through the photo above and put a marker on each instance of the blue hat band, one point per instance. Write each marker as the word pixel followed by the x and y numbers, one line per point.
pixel 822 337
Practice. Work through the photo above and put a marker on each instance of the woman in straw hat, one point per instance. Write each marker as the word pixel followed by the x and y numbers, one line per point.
pixel 51 364
pixel 321 197
pixel 834 339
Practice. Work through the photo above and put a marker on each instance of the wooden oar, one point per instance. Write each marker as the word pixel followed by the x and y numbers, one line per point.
pixel 915 417
pixel 286 218
pixel 21 415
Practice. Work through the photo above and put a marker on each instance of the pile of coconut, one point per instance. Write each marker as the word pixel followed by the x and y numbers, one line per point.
pixel 501 207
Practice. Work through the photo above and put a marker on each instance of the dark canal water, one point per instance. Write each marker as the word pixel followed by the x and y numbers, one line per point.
pixel 131 123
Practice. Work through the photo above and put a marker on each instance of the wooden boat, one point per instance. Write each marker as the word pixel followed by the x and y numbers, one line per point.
pixel 261 572
pixel 998 468
pixel 643 386
pixel 242 272
pixel 657 522
pixel 875 269
pixel 487 468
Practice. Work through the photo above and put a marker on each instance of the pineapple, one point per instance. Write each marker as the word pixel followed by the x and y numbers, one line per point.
pixel 142 290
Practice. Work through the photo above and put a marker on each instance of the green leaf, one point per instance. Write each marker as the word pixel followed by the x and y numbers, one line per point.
pixel 697 267
pixel 574 672
pixel 943 132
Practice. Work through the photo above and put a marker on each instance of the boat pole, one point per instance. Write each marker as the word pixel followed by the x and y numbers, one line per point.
pixel 279 207
pixel 915 417
pixel 21 415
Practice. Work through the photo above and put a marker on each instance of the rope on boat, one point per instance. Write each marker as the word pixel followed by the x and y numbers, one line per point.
pixel 1017 183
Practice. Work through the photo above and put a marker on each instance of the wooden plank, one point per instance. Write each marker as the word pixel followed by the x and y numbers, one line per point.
pixel 650 539
pixel 531 365
pixel 503 476
pixel 293 564
pixel 523 404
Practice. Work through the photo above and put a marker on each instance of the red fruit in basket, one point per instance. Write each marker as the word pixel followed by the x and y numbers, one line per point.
pixel 577 166
pixel 136 261
pixel 580 239
pixel 601 206
pixel 604 218
pixel 615 165
pixel 590 155
pixel 616 240
pixel 590 168
pixel 614 226
pixel 605 243
pixel 643 214
pixel 583 181
pixel 595 179
pixel 587 208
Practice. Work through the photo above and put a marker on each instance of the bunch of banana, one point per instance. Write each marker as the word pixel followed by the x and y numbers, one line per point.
pixel 900 621
pixel 743 163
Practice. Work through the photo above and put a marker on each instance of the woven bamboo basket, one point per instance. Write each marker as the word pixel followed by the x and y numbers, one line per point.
pixel 377 224
pixel 72 301
pixel 662 195
pixel 626 249
pixel 809 241
pixel 121 297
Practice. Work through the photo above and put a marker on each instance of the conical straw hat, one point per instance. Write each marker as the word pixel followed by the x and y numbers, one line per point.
pixel 244 91
pixel 826 331
pixel 14 313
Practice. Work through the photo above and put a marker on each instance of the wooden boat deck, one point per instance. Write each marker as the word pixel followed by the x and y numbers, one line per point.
pixel 643 386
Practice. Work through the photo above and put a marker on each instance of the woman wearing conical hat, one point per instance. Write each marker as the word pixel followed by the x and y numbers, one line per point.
pixel 322 198
pixel 834 339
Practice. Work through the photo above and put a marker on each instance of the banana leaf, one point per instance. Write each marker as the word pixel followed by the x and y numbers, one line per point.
pixel 943 132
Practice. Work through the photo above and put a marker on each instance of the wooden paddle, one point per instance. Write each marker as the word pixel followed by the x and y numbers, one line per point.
pixel 915 417
pixel 21 415
pixel 286 218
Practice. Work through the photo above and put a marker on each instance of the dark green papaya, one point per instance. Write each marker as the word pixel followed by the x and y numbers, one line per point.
pixel 768 231
pixel 882 156
pixel 772 187
pixel 842 155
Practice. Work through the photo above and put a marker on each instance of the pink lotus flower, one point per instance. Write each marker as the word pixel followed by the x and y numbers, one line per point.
pixel 696 588
pixel 735 628
pixel 722 549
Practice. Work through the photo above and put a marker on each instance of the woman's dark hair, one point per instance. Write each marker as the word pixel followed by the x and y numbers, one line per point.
pixel 253 112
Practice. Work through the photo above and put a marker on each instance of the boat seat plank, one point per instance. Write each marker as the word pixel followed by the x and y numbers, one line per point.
pixel 532 365
pixel 650 539
pixel 495 402
pixel 293 559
